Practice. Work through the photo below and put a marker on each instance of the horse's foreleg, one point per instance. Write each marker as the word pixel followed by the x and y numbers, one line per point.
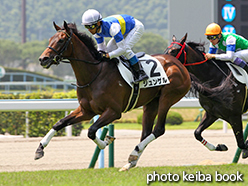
pixel 108 116
pixel 75 117
pixel 207 121
pixel 102 144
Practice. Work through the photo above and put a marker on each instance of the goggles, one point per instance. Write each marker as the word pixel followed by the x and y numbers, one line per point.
pixel 212 37
pixel 91 27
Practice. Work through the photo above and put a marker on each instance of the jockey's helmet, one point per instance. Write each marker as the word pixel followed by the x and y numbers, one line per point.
pixel 91 17
pixel 213 29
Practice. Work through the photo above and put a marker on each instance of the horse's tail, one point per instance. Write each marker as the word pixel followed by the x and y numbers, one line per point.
pixel 222 94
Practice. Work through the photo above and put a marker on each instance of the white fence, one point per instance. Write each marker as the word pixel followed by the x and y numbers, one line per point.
pixel 63 105
pixel 66 104
pixel 38 105
pixel 71 104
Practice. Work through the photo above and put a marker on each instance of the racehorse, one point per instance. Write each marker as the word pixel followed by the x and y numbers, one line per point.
pixel 220 94
pixel 102 91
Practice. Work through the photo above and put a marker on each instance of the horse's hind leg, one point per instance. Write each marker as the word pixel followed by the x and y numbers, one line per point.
pixel 165 102
pixel 236 124
pixel 75 117
pixel 207 121
pixel 149 114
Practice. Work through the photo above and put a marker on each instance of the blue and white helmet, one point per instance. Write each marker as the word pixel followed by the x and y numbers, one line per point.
pixel 91 17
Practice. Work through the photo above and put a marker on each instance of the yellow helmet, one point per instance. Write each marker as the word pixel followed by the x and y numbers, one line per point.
pixel 213 29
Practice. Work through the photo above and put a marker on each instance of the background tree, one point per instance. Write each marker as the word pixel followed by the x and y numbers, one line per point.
pixel 41 13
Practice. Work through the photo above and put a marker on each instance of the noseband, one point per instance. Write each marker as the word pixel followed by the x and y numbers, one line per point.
pixel 183 53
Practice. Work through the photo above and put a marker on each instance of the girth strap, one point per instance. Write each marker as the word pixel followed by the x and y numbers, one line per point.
pixel 133 98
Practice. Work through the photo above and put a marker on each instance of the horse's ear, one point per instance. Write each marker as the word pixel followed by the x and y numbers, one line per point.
pixel 184 38
pixel 186 35
pixel 56 26
pixel 174 38
pixel 66 27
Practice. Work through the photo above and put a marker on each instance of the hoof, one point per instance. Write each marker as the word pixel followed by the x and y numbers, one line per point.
pixel 127 166
pixel 109 139
pixel 221 147
pixel 244 153
pixel 39 152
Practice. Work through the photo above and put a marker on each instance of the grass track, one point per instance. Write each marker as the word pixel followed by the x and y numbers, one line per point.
pixel 111 176
pixel 218 125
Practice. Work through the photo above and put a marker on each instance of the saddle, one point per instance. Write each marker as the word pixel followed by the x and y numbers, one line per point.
pixel 239 73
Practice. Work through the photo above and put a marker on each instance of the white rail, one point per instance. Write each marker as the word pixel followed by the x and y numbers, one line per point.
pixel 72 104
pixel 66 104
pixel 38 105
pixel 63 105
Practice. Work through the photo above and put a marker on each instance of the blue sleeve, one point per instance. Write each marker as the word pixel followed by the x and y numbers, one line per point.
pixel 230 48
pixel 99 40
pixel 212 50
pixel 118 37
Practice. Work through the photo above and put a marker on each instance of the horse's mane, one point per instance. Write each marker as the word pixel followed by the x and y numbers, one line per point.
pixel 86 39
pixel 199 47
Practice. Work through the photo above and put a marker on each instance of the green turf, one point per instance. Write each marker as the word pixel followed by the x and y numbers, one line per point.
pixel 134 177
pixel 185 125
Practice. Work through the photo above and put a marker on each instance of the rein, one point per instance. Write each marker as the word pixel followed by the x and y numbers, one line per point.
pixel 59 58
pixel 184 52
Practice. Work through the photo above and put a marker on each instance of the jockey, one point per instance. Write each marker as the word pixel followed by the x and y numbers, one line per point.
pixel 234 46
pixel 124 30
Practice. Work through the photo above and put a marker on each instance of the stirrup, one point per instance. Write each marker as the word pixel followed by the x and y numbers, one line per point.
pixel 143 78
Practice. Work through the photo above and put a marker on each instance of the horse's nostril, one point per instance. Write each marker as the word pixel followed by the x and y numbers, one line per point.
pixel 42 59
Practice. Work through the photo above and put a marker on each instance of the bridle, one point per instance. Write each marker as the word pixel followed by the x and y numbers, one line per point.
pixel 59 57
pixel 183 53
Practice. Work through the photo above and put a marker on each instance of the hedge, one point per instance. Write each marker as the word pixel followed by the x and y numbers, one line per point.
pixel 41 122
pixel 173 118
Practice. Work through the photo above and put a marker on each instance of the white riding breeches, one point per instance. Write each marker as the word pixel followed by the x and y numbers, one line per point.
pixel 242 54
pixel 130 40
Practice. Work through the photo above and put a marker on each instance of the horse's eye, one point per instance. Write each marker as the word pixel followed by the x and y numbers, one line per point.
pixel 173 52
pixel 61 41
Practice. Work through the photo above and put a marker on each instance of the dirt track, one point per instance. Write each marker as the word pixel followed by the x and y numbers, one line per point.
pixel 174 148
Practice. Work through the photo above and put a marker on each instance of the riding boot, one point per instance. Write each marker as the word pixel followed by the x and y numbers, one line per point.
pixel 141 75
pixel 241 63
pixel 246 68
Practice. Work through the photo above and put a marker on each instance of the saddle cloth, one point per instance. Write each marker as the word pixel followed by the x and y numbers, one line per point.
pixel 153 69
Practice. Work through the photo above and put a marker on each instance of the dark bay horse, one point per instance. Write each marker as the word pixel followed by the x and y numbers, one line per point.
pixel 220 94
pixel 101 89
